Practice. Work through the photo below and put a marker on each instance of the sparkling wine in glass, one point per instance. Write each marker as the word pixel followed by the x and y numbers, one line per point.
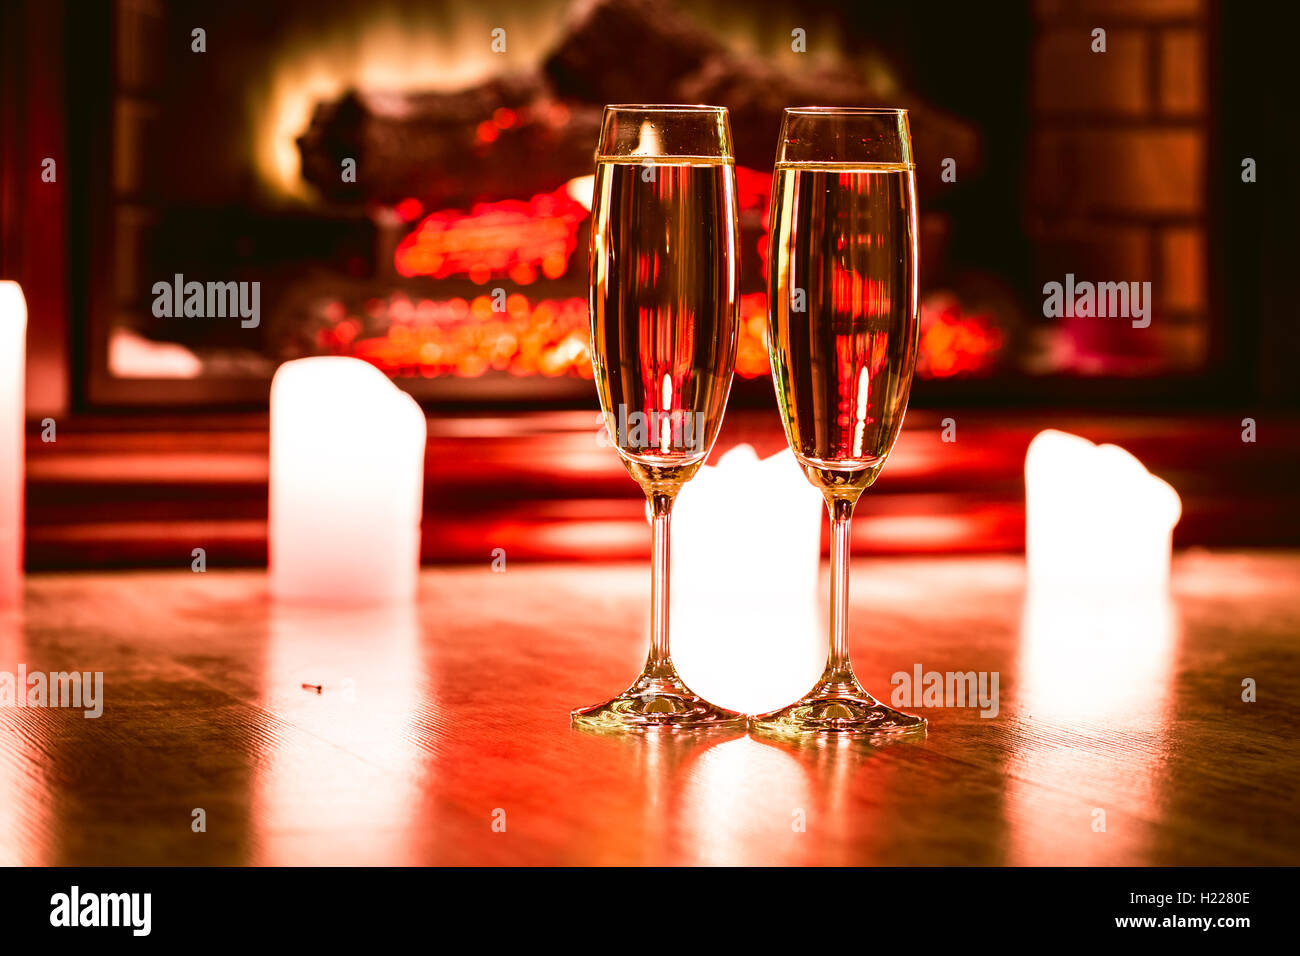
pixel 842 336
pixel 664 296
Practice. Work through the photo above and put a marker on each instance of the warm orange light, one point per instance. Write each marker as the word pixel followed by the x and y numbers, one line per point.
pixel 956 343
pixel 374 47
pixel 455 337
pixel 511 238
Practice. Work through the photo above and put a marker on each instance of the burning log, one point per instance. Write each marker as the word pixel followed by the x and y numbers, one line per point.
pixel 518 136
pixel 506 138
pixel 629 51
pixel 642 51
pixel 756 94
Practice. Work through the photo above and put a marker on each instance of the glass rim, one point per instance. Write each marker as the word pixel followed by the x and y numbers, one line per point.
pixel 847 110
pixel 664 108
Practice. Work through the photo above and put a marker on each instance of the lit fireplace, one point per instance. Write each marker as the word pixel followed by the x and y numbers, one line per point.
pixel 407 192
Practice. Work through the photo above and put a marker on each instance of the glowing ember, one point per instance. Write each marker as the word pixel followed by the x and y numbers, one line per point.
pixel 464 337
pixel 509 239
pixel 753 189
pixel 751 353
pixel 551 337
pixel 953 343
pixel 521 241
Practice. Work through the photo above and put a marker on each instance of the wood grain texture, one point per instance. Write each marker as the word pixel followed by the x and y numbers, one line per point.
pixel 431 718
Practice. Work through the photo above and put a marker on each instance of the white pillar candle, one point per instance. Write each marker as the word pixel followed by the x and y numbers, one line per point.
pixel 347 484
pixel 747 619
pixel 1094 516
pixel 13 357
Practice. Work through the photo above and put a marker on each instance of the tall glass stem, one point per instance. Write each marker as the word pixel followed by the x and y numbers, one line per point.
pixel 838 667
pixel 658 664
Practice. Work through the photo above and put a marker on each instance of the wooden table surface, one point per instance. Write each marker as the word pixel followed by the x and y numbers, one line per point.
pixel 437 721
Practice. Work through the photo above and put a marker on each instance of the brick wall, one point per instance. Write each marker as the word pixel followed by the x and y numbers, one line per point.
pixel 1117 168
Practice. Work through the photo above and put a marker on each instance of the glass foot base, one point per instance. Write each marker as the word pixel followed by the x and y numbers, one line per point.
pixel 833 709
pixel 656 703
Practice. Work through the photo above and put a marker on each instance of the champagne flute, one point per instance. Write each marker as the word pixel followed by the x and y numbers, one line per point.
pixel 842 337
pixel 664 297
